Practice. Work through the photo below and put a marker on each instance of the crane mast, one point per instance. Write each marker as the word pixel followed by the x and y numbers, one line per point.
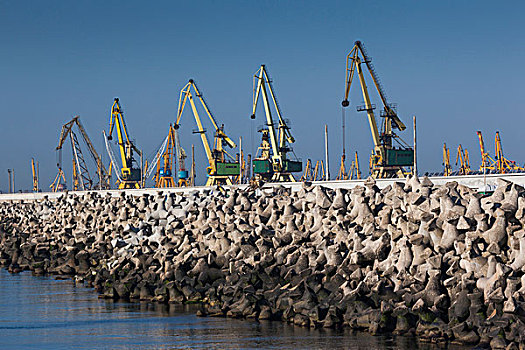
pixel 35 173
pixel 354 169
pixel 272 163
pixel 386 159
pixel 220 170
pixel 447 170
pixel 130 175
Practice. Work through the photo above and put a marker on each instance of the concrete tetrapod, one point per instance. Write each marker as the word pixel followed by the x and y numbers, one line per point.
pixel 441 262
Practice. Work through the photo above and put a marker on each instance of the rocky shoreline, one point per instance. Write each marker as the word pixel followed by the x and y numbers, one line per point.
pixel 443 263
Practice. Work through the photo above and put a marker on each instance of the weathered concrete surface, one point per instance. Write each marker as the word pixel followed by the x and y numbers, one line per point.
pixel 442 262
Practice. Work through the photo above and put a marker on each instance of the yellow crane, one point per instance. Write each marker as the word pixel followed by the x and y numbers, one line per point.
pixel 354 172
pixel 164 174
pixel 386 159
pixel 220 171
pixel 318 173
pixel 272 163
pixel 130 175
pixel 504 165
pixel 307 171
pixel 59 183
pixel 82 179
pixel 342 171
pixel 182 174
pixel 165 161
pixel 487 162
pixel 35 172
pixel 447 170
pixel 463 159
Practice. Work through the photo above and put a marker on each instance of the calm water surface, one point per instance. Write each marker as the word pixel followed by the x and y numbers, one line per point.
pixel 43 313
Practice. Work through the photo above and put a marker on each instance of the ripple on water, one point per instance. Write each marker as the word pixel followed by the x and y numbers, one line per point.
pixel 43 313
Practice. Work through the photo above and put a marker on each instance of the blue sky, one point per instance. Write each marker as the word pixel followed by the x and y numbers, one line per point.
pixel 456 65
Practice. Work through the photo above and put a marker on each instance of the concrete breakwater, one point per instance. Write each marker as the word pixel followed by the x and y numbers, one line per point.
pixel 441 262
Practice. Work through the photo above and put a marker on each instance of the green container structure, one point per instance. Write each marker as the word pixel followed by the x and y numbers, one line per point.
pixel 228 169
pixel 399 157
pixel 293 166
pixel 134 175
pixel 263 167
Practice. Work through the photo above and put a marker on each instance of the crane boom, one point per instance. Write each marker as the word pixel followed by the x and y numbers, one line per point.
pixel 219 170
pixel 390 112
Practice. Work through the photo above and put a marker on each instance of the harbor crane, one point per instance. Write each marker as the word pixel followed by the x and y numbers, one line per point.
pixel 318 173
pixel 272 163
pixel 307 171
pixel 222 166
pixel 182 174
pixel 386 160
pixel 130 175
pixel 315 173
pixel 463 160
pixel 342 175
pixel 353 172
pixel 82 179
pixel 164 174
pixel 499 164
pixel 487 162
pixel 503 164
pixel 35 173
pixel 447 168
pixel 165 160
pixel 59 183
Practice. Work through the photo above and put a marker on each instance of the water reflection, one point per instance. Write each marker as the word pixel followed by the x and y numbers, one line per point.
pixel 43 313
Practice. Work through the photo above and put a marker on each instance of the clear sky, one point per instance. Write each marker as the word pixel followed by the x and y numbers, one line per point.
pixel 456 65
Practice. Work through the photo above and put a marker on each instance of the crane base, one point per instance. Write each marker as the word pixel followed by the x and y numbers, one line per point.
pixel 128 185
pixel 214 180
pixel 165 182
